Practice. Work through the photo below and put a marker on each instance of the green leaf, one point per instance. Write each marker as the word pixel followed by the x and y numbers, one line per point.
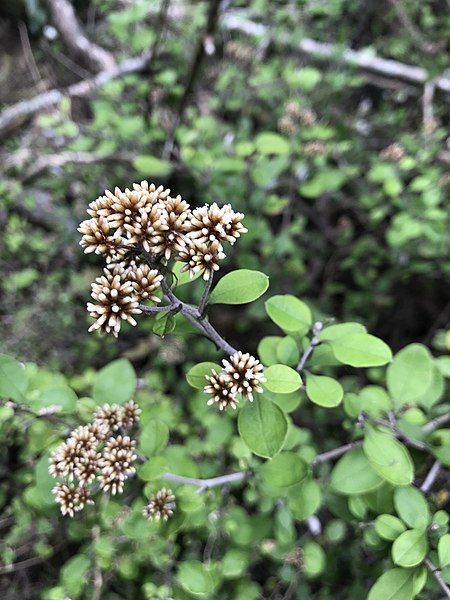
pixel 395 584
pixel 314 559
pixel 335 332
pixel 304 499
pixel 263 427
pixel 153 438
pixel 74 574
pixel 444 550
pixel 288 352
pixel 196 376
pixel 239 287
pixel 307 78
pixel 281 379
pixel 271 143
pixel 324 391
pixel 412 507
pixel 58 395
pixel 361 350
pixel 235 563
pixel 13 380
pixel 327 180
pixel 267 349
pixel 115 383
pixel 353 474
pixel 389 527
pixel 284 469
pixel 152 167
pixel 388 457
pixel 410 548
pixel 195 578
pixel 443 364
pixel 289 313
pixel 410 374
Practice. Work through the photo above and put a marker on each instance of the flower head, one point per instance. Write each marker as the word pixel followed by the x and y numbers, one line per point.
pixel 71 498
pixel 245 372
pixel 145 281
pixel 131 412
pixel 161 505
pixel 117 464
pixel 201 258
pixel 116 300
pixel 99 237
pixel 220 388
pixel 108 417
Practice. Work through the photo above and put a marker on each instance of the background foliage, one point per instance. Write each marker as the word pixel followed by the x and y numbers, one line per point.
pixel 343 177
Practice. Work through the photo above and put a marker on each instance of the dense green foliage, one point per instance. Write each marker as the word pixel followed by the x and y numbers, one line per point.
pixel 343 178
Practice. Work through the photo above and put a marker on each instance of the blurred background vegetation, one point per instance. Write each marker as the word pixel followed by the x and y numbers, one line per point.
pixel 340 163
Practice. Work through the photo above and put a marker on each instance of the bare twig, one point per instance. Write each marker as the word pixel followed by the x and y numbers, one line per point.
pixel 24 564
pixel 204 484
pixel 28 52
pixel 431 477
pixel 72 34
pixel 435 423
pixel 397 432
pixel 14 115
pixel 310 349
pixel 336 453
pixel 438 576
pixel 427 107
pixel 205 294
pixel 360 59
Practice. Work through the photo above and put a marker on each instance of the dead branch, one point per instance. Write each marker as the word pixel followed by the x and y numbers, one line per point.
pixel 357 58
pixel 17 113
pixel 66 22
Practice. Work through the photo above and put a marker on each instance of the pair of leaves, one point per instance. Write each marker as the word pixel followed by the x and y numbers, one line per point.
pixel 351 345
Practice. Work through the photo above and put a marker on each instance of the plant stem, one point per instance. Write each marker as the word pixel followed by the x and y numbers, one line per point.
pixel 398 432
pixel 205 294
pixel 437 422
pixel 331 454
pixel 431 477
pixel 310 349
pixel 204 484
pixel 155 309
pixel 437 575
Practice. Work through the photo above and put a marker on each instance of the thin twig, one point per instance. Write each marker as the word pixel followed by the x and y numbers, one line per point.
pixel 431 477
pixel 438 576
pixel 398 432
pixel 427 107
pixel 205 294
pixel 204 484
pixel 155 309
pixel 435 423
pixel 24 564
pixel 336 453
pixel 310 349
pixel 28 52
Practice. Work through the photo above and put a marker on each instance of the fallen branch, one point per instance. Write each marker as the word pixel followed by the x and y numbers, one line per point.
pixel 17 113
pixel 73 36
pixel 357 58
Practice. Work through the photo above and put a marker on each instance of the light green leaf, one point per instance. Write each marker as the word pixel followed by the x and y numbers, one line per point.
pixel 13 380
pixel 239 287
pixel 153 438
pixel 335 332
pixel 196 376
pixel 395 584
pixel 388 457
pixel 412 507
pixel 195 578
pixel 324 391
pixel 410 548
pixel 326 180
pixel 267 349
pixel 115 383
pixel 59 395
pixel 314 559
pixel 389 527
pixel 288 352
pixel 271 143
pixel 284 470
pixel 443 364
pixel 263 427
pixel 444 550
pixel 73 574
pixel 151 167
pixel 410 374
pixel 289 313
pixel 361 350
pixel 353 474
pixel 304 499
pixel 281 379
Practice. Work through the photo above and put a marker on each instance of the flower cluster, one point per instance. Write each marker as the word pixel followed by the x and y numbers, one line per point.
pixel 242 374
pixel 95 452
pixel 140 229
pixel 160 505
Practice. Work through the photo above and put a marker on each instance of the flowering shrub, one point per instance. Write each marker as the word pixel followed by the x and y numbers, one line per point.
pixel 256 475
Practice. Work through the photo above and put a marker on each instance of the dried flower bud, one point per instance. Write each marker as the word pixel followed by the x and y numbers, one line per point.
pixel 63 460
pixel 286 125
pixel 201 258
pixel 161 505
pixel 126 207
pixel 83 438
pixel 315 148
pixel 116 301
pixel 394 152
pixel 131 412
pixel 71 498
pixel 220 387
pixel 116 464
pixel 108 417
pixel 145 281
pixel 246 373
pixel 99 237
pixel 87 466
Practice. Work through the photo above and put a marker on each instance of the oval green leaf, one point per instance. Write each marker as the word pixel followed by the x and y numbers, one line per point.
pixel 353 474
pixel 115 383
pixel 281 379
pixel 284 470
pixel 263 427
pixel 324 391
pixel 361 350
pixel 410 548
pixel 239 287
pixel 289 313
pixel 196 376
